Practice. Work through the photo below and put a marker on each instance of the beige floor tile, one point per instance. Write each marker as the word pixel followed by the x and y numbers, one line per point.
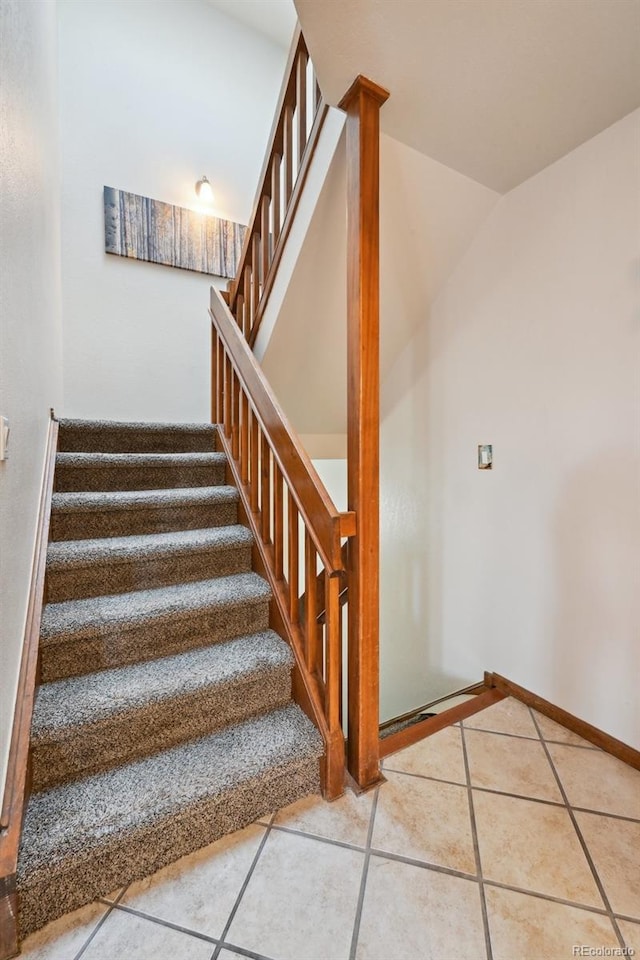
pixel 62 939
pixel 555 732
pixel 614 846
pixel 346 819
pixel 411 913
pixel 597 781
pixel 199 891
pixel 125 935
pixel 533 846
pixel 425 820
pixel 507 716
pixel 438 756
pixel 511 765
pixel 529 928
pixel 230 955
pixel 300 902
pixel 631 934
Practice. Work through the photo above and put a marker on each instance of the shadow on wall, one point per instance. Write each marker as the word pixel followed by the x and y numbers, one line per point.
pixel 412 483
pixel 596 530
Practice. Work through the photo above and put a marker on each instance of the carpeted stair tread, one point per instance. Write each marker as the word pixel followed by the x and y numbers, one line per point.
pixel 89 461
pixel 92 723
pixel 68 818
pixel 90 515
pixel 77 471
pixel 117 437
pixel 83 618
pixel 83 553
pixel 91 501
pixel 65 704
pixel 85 568
pixel 82 636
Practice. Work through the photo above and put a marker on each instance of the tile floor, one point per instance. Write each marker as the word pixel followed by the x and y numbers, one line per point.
pixel 505 837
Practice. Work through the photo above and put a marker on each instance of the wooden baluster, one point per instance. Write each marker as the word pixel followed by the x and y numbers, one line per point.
pixel 333 652
pixel 275 198
pixel 362 103
pixel 301 102
pixel 235 417
pixel 278 531
pixel 287 155
pixel 220 380
pixel 293 559
pixel 255 456
pixel 266 240
pixel 214 374
pixel 246 295
pixel 239 311
pixel 311 605
pixel 227 397
pixel 255 275
pixel 265 486
pixel 244 439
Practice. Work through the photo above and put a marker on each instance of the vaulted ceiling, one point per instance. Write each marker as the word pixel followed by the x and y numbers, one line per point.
pixel 495 89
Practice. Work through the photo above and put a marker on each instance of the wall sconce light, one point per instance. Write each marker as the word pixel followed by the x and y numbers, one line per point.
pixel 204 190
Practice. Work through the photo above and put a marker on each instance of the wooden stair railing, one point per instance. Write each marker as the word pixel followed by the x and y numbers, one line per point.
pixel 294 135
pixel 299 117
pixel 296 527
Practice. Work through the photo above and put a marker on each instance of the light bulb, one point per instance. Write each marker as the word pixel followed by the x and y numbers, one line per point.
pixel 204 190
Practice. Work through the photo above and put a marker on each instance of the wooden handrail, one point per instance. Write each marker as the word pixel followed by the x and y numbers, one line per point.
pixel 295 524
pixel 267 455
pixel 327 523
pixel 292 142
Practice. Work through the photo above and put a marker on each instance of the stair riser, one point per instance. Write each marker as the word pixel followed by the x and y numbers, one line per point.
pixel 104 744
pixel 110 440
pixel 59 888
pixel 108 577
pixel 116 646
pixel 86 525
pixel 69 478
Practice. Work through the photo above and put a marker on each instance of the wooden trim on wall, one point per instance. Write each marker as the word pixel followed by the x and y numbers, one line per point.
pixel 362 104
pixel 583 729
pixel 16 791
pixel 424 728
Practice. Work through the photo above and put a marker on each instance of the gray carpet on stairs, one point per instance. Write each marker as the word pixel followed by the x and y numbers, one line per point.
pixel 80 636
pixel 164 718
pixel 83 839
pixel 87 568
pixel 92 722
pixel 111 436
pixel 137 471
pixel 76 516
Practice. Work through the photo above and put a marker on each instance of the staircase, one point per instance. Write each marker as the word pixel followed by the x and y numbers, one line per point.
pixel 164 716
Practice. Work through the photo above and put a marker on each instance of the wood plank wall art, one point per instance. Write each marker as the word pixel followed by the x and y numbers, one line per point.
pixel 151 230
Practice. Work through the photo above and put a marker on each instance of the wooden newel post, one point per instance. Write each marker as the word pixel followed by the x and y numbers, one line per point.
pixel 362 104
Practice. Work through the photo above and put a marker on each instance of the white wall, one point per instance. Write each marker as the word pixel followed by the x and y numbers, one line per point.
pixel 30 338
pixel 428 216
pixel 154 93
pixel 531 570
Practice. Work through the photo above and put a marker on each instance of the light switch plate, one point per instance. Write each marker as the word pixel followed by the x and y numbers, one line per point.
pixel 4 438
pixel 485 456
